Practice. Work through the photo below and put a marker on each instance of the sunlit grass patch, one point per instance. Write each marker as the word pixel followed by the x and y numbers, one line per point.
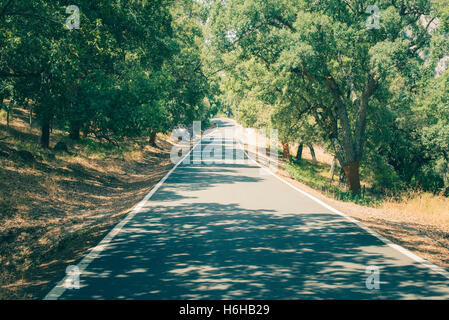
pixel 315 175
pixel 100 150
pixel 318 176
pixel 422 203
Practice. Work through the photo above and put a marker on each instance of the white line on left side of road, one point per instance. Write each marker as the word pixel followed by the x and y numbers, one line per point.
pixel 59 289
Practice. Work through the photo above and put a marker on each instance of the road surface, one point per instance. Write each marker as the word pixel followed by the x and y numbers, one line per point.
pixel 226 231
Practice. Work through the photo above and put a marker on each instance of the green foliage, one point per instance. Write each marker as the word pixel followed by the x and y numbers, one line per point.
pixel 317 176
pixel 133 68
pixel 329 79
pixel 312 174
pixel 432 109
pixel 311 69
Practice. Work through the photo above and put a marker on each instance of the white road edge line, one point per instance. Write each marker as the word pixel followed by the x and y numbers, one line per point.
pixel 397 247
pixel 59 289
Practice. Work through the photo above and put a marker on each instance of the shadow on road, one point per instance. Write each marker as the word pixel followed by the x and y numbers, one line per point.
pixel 198 238
pixel 224 251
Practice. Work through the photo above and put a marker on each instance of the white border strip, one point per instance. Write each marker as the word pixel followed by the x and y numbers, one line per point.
pixel 399 248
pixel 59 289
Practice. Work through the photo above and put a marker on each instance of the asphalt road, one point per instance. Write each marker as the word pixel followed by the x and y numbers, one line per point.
pixel 226 231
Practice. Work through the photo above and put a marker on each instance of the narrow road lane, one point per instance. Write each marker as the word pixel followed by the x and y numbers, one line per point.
pixel 225 231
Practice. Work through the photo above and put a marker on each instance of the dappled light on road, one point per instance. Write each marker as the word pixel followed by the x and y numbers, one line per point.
pixel 223 231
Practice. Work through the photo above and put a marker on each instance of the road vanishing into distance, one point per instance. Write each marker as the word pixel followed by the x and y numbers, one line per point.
pixel 228 231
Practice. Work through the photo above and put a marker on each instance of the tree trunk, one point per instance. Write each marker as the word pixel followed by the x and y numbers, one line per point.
pixel 286 150
pixel 74 131
pixel 86 130
pixel 153 138
pixel 445 191
pixel 8 111
pixel 353 176
pixel 332 171
pixel 312 152
pixel 45 133
pixel 299 152
pixel 342 176
pixel 30 119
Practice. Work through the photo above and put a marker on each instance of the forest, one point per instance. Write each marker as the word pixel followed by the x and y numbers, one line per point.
pixel 130 68
pixel 365 81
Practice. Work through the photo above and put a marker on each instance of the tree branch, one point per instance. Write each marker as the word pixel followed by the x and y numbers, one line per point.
pixel 362 113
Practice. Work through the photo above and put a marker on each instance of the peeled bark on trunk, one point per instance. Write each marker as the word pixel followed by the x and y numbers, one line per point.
pixel 299 152
pixel 286 150
pixel 353 176
pixel 152 140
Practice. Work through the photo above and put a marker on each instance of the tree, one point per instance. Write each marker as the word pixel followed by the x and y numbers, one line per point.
pixel 29 44
pixel 132 68
pixel 339 66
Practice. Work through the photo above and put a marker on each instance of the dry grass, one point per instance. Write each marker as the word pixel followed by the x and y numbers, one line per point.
pixel 421 204
pixel 321 155
pixel 55 207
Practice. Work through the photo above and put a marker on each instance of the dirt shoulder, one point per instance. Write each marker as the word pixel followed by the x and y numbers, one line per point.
pixel 426 235
pixel 55 206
